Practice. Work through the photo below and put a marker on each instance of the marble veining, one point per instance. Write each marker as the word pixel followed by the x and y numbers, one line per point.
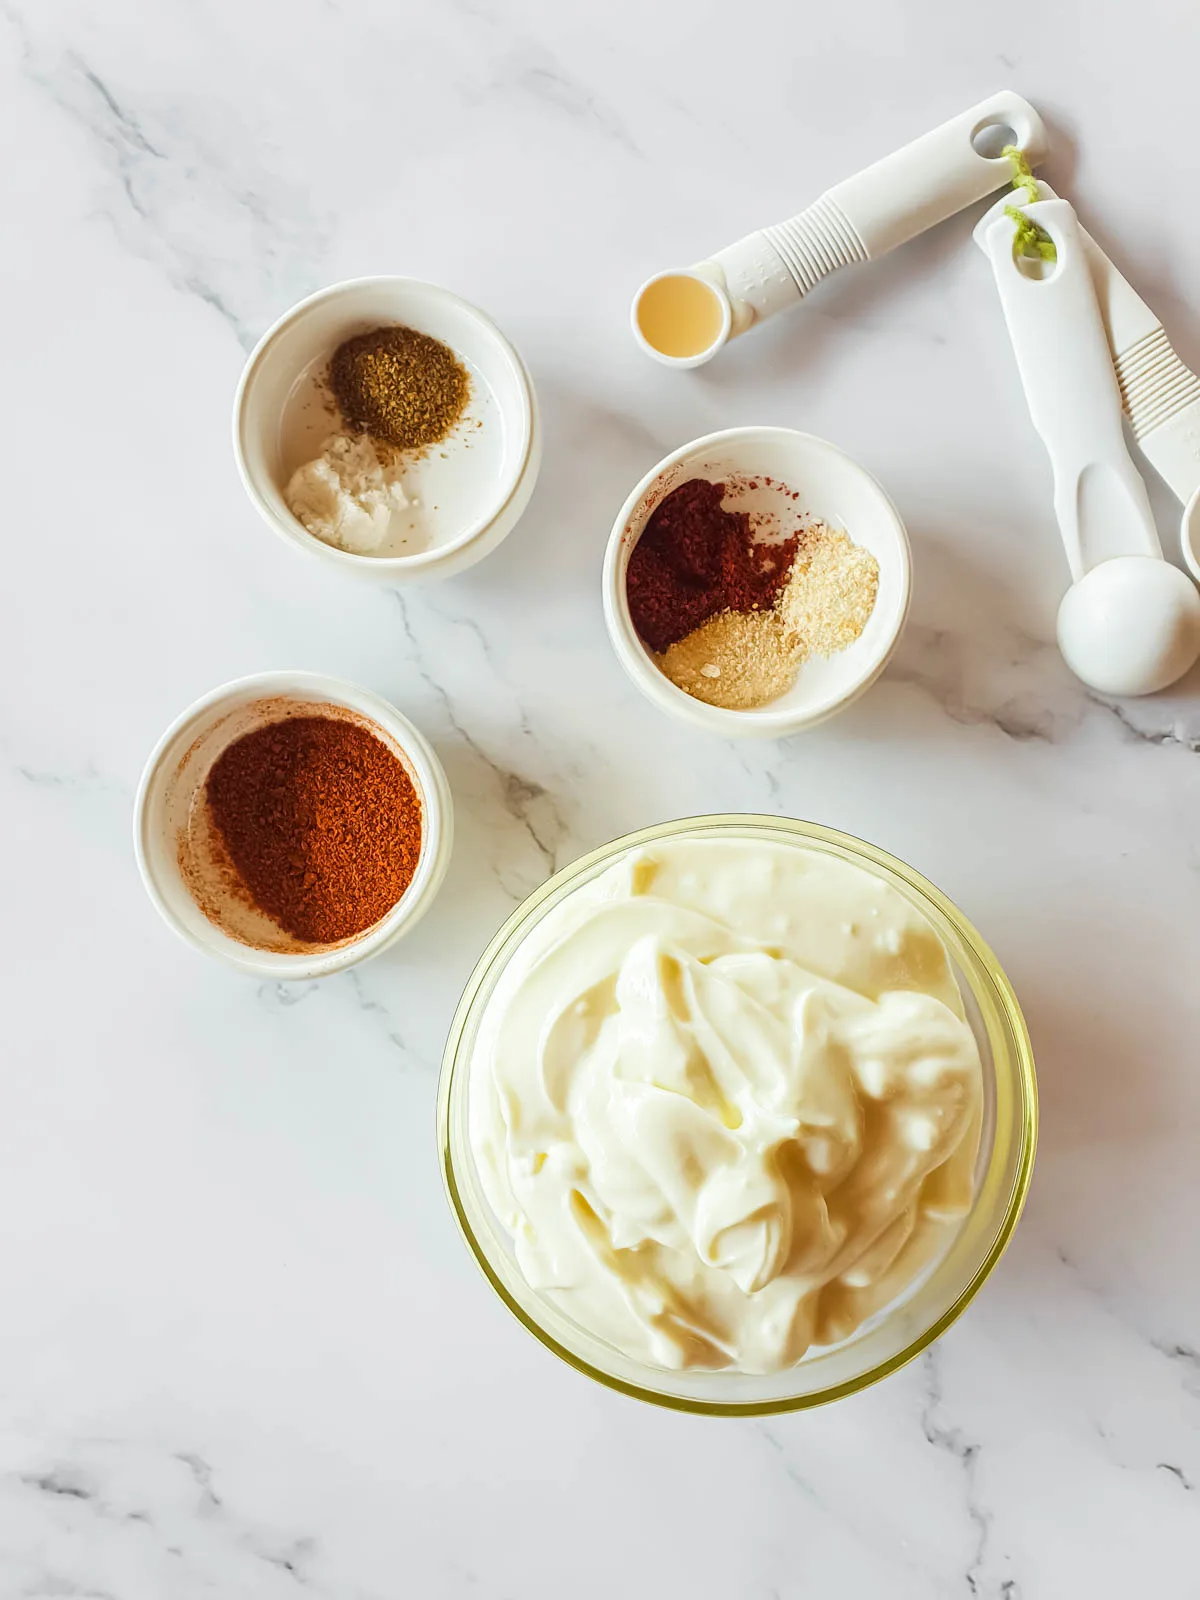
pixel 244 1351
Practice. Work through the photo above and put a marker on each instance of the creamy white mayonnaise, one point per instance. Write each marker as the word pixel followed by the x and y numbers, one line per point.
pixel 726 1102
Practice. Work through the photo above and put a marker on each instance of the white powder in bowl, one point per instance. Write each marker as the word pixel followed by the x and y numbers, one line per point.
pixel 347 496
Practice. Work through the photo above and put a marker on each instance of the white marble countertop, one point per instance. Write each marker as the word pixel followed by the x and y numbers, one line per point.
pixel 242 1350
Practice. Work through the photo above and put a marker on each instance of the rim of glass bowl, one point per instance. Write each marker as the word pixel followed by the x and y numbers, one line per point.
pixel 999 1014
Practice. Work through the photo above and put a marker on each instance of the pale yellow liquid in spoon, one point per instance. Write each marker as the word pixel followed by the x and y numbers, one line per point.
pixel 680 316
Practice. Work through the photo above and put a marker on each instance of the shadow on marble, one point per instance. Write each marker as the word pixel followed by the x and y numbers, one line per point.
pixel 1111 1114
pixel 544 580
pixel 1062 164
pixel 969 646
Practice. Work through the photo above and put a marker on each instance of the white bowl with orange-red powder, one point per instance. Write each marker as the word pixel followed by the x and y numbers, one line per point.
pixel 172 828
pixel 789 478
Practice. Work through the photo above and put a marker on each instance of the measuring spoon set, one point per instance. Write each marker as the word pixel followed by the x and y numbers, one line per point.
pixel 1089 351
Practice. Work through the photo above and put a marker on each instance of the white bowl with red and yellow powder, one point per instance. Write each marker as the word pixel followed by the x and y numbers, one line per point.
pixel 767 604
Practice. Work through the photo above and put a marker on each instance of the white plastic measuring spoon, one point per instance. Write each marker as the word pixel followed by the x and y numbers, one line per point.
pixel 682 317
pixel 1130 623
pixel 1160 393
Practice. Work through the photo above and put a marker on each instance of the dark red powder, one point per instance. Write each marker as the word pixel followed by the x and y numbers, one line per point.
pixel 695 559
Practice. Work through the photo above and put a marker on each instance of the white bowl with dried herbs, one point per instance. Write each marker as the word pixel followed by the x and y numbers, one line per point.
pixel 756 582
pixel 388 428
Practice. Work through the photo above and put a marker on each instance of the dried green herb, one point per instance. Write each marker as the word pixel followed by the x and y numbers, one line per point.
pixel 400 386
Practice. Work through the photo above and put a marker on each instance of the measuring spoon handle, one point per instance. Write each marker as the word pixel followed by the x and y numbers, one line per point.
pixel 866 215
pixel 1062 353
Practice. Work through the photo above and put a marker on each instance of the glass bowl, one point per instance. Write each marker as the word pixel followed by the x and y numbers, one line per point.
pixel 903 1329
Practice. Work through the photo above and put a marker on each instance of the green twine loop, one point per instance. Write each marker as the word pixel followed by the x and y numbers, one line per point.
pixel 1029 239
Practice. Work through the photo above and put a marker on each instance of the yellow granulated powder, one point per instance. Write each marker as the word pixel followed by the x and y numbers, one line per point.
pixel 741 660
pixel 829 594
pixel 737 659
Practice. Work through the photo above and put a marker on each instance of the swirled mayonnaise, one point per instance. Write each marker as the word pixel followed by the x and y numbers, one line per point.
pixel 726 1102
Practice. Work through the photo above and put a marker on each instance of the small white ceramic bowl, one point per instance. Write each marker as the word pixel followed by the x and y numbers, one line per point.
pixel 832 488
pixel 174 778
pixel 468 491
